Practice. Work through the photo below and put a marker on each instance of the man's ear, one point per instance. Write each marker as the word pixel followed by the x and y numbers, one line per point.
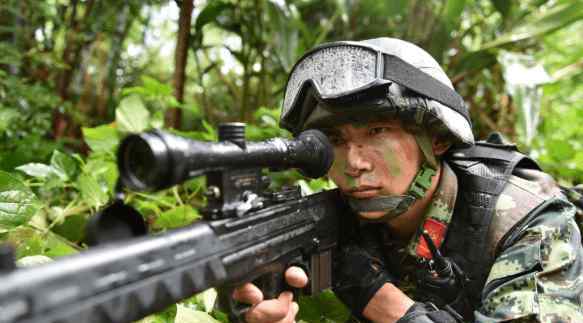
pixel 439 145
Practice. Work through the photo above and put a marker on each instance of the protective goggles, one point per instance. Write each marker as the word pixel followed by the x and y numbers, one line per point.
pixel 346 71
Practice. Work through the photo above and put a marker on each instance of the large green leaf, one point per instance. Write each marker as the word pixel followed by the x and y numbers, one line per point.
pixel 155 87
pixel 17 202
pixel 101 139
pixel 36 170
pixel 453 13
pixel 546 22
pixel 103 169
pixel 131 115
pixel 92 193
pixel 177 217
pixel 64 165
pixel 72 228
pixel 325 305
pixel 32 242
pixel 210 13
pixel 207 299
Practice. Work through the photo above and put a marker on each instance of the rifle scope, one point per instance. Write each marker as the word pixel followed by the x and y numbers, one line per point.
pixel 155 160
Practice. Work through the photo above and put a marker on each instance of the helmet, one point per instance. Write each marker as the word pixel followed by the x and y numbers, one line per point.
pixel 336 81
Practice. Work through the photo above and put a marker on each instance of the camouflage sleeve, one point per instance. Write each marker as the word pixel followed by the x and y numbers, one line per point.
pixel 539 277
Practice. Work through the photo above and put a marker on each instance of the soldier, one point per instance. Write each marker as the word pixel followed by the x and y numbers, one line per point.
pixel 440 229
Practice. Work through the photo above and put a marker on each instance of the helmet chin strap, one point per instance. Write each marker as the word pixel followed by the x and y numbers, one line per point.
pixel 395 205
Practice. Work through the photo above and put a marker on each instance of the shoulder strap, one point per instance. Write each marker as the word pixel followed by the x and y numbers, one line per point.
pixel 483 171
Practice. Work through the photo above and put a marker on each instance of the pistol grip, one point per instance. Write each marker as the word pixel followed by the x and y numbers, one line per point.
pixel 271 284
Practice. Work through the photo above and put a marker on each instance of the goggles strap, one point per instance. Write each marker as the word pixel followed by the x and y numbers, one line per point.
pixel 407 75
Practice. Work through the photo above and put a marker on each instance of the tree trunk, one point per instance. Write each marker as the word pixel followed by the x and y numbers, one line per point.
pixel 71 57
pixel 174 116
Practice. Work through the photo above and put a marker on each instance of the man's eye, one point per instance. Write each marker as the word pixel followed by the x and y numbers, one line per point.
pixel 377 130
pixel 335 140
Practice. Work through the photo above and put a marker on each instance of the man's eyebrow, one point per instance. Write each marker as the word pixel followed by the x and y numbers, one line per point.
pixel 331 131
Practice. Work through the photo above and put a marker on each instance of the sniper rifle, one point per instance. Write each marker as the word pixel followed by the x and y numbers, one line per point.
pixel 247 233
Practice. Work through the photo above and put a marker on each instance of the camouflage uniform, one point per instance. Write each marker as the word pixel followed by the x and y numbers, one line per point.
pixel 538 278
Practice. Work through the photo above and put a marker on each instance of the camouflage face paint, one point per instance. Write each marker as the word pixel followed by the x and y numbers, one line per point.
pixel 385 152
pixel 391 162
pixel 338 171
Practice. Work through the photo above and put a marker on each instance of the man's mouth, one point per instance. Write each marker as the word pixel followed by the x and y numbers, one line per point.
pixel 363 192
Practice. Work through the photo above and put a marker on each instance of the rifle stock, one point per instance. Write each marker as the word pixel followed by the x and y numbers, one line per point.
pixel 125 280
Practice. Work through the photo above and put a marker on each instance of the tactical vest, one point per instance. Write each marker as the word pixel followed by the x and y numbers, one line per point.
pixel 476 232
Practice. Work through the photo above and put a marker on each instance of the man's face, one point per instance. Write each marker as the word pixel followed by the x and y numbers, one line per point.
pixel 373 159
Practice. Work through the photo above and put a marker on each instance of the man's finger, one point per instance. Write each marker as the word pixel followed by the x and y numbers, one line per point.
pixel 291 313
pixel 248 294
pixel 272 310
pixel 296 277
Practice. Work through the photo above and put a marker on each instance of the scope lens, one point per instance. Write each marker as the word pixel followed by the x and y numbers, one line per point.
pixel 140 163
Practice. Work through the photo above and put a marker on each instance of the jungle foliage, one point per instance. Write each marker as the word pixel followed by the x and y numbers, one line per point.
pixel 77 75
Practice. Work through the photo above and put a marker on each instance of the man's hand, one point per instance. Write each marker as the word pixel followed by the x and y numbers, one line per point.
pixel 280 310
pixel 366 286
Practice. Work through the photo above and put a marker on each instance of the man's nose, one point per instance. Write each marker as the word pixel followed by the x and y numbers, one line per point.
pixel 356 160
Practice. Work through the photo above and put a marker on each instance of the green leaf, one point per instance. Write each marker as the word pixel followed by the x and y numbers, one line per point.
pixel 17 202
pixel 207 299
pixel 503 6
pixel 7 117
pixel 131 115
pixel 453 12
pixel 187 315
pixel 72 228
pixel 210 13
pixel 64 165
pixel 177 217
pixel 32 242
pixel 91 191
pixel 36 170
pixel 324 305
pixel 104 170
pixel 193 108
pixel 476 61
pixel 211 133
pixel 56 246
pixel 561 15
pixel 101 139
pixel 154 87
pixel 560 150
